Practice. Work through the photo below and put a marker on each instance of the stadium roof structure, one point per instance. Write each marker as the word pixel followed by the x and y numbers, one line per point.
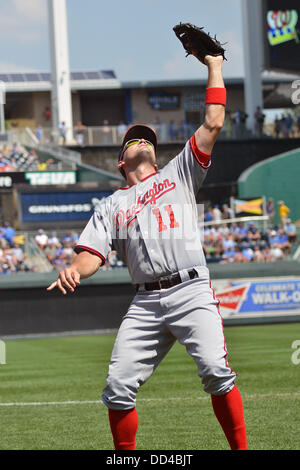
pixel 268 77
pixel 276 86
pixel 41 81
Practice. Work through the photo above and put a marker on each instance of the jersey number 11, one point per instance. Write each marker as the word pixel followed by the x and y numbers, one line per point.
pixel 161 225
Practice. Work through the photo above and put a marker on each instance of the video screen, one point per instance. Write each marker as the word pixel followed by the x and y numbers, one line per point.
pixel 281 32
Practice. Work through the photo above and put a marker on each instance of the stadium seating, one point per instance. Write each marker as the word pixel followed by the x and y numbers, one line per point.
pixel 59 249
pixel 17 158
pixel 222 243
pixel 240 243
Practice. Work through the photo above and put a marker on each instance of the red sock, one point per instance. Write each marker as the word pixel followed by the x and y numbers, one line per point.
pixel 123 425
pixel 228 409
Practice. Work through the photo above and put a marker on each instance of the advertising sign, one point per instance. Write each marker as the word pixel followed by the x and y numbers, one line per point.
pixel 252 297
pixel 8 179
pixel 59 206
pixel 37 178
pixel 162 100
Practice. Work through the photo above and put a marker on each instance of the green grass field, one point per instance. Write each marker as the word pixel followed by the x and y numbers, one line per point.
pixel 174 412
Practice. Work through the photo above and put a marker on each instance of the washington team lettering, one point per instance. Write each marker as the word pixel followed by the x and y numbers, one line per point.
pixel 150 197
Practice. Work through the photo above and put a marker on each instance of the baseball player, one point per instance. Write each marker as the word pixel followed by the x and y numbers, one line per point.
pixel 152 223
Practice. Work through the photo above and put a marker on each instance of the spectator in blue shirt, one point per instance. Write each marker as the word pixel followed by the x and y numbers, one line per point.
pixel 248 253
pixel 172 131
pixel 289 124
pixel 283 241
pixel 290 230
pixel 5 269
pixel 228 243
pixel 9 233
pixel 208 215
pixel 229 254
pixel 243 231
pixel 39 133
pixel 67 238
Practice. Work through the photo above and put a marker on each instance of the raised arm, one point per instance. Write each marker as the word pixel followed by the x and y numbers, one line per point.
pixel 208 132
pixel 84 265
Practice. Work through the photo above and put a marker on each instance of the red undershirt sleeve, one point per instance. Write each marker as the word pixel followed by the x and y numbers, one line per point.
pixel 80 248
pixel 204 159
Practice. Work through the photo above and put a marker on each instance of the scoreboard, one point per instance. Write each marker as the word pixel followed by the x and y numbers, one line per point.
pixel 281 35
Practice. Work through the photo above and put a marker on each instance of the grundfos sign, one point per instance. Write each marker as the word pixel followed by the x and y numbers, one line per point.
pixel 59 205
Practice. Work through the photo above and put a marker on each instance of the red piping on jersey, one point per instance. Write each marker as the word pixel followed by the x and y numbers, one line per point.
pixel 79 248
pixel 218 303
pixel 202 158
pixel 144 179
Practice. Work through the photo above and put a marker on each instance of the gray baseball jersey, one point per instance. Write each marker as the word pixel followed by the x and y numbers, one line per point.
pixel 153 224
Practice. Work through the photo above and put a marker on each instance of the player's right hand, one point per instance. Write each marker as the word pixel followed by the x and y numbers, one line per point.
pixel 68 279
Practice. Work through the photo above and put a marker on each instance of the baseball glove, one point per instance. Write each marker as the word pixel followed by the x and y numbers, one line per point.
pixel 195 41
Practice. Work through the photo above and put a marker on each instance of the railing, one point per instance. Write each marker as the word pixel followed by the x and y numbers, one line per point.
pixel 262 221
pixel 112 135
pixel 66 159
pixel 38 258
pixel 59 233
pixel 296 256
pixel 20 136
pixel 35 258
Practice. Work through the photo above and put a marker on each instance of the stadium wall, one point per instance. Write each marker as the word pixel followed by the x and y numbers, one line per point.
pixel 230 159
pixel 277 177
pixel 101 301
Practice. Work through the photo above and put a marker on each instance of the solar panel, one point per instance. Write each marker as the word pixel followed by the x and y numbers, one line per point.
pixel 108 74
pixel 93 75
pixel 4 77
pixel 32 77
pixel 17 77
pixel 46 77
pixel 77 76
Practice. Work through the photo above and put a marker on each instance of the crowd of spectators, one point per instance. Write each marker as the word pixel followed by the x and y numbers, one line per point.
pixel 12 255
pixel 286 126
pixel 244 243
pixel 223 242
pixel 235 127
pixel 59 250
pixel 16 158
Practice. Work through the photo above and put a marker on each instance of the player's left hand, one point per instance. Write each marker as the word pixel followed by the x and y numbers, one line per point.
pixel 198 43
pixel 213 60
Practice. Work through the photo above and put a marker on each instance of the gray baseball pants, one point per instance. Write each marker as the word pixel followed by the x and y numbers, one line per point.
pixel 187 312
